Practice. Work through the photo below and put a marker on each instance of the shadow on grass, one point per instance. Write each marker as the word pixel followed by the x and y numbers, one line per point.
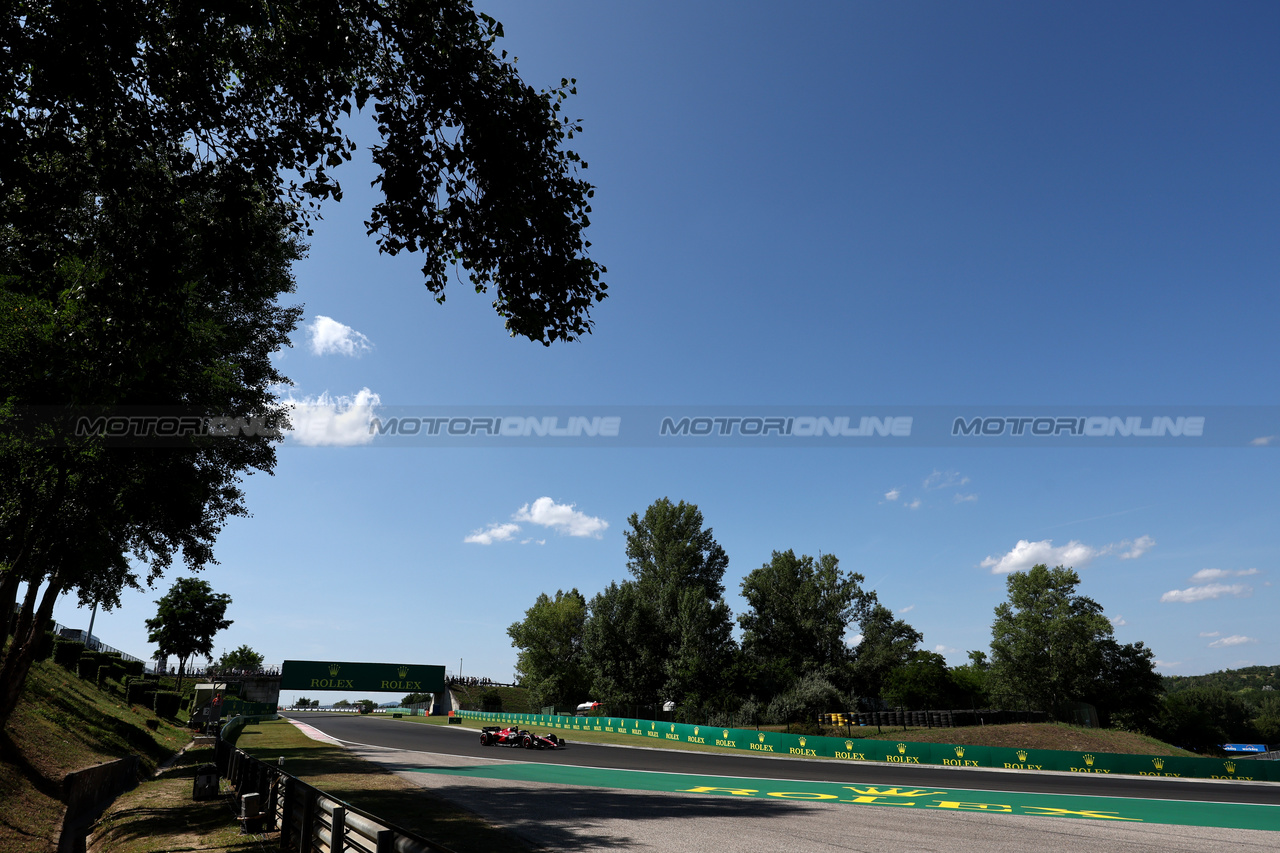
pixel 186 765
pixel 175 821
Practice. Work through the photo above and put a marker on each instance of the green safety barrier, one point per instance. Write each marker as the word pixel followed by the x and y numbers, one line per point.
pixel 901 752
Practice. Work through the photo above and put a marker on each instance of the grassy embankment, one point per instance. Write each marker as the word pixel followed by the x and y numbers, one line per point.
pixel 63 724
pixel 515 700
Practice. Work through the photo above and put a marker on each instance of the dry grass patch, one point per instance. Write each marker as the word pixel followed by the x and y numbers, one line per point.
pixel 1034 736
pixel 159 816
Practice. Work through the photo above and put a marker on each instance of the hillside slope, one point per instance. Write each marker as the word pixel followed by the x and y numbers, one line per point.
pixel 63 724
pixel 1233 680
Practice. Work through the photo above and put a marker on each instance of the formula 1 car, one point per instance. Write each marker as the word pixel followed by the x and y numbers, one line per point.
pixel 513 736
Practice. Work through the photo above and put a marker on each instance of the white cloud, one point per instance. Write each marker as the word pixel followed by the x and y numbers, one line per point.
pixel 1207 592
pixel 908 608
pixel 332 421
pixel 944 650
pixel 330 336
pixel 1265 440
pixel 1166 663
pixel 960 499
pixel 562 517
pixel 1210 633
pixel 944 480
pixel 1137 547
pixel 1075 554
pixel 545 512
pixel 855 639
pixel 1218 574
pixel 493 533
pixel 1026 554
pixel 1118 621
pixel 1233 640
pixel 915 504
pixel 892 494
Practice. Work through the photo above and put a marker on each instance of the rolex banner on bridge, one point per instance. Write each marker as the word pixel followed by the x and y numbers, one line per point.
pixel 361 677
pixel 903 752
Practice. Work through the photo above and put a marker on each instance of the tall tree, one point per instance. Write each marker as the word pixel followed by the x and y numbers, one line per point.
pixel 473 171
pixel 160 162
pixel 1047 640
pixel 921 683
pixel 1127 690
pixel 186 619
pixel 550 661
pixel 887 644
pixel 668 550
pixel 700 665
pixel 799 611
pixel 679 568
pixel 242 659
pixel 626 667
pixel 969 681
pixel 158 291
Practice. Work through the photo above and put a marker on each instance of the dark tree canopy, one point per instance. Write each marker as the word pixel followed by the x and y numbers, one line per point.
pixel 158 290
pixel 679 584
pixel 623 659
pixel 887 644
pixel 800 609
pixel 186 619
pixel 551 663
pixel 669 550
pixel 473 171
pixel 242 659
pixel 922 683
pixel 159 164
pixel 1051 646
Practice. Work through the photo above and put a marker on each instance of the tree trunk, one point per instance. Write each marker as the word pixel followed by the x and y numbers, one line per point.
pixel 8 598
pixel 17 663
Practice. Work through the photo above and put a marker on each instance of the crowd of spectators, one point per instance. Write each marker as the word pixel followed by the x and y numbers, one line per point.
pixel 471 681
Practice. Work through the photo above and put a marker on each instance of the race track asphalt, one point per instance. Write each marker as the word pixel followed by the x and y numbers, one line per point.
pixel 555 801
pixel 416 737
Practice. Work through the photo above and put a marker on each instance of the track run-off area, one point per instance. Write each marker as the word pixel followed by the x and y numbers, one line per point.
pixel 591 796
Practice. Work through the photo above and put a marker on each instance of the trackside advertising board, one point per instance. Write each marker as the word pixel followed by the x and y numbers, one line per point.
pixel 362 677
pixel 903 752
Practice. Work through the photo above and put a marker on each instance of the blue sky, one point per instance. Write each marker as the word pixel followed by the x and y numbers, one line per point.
pixel 912 204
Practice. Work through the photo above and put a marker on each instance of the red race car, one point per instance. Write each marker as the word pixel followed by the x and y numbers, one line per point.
pixel 513 736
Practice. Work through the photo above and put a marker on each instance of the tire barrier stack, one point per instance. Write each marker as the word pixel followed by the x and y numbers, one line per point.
pixel 900 752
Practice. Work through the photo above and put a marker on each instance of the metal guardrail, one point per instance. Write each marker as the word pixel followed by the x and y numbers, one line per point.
pixel 307 819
